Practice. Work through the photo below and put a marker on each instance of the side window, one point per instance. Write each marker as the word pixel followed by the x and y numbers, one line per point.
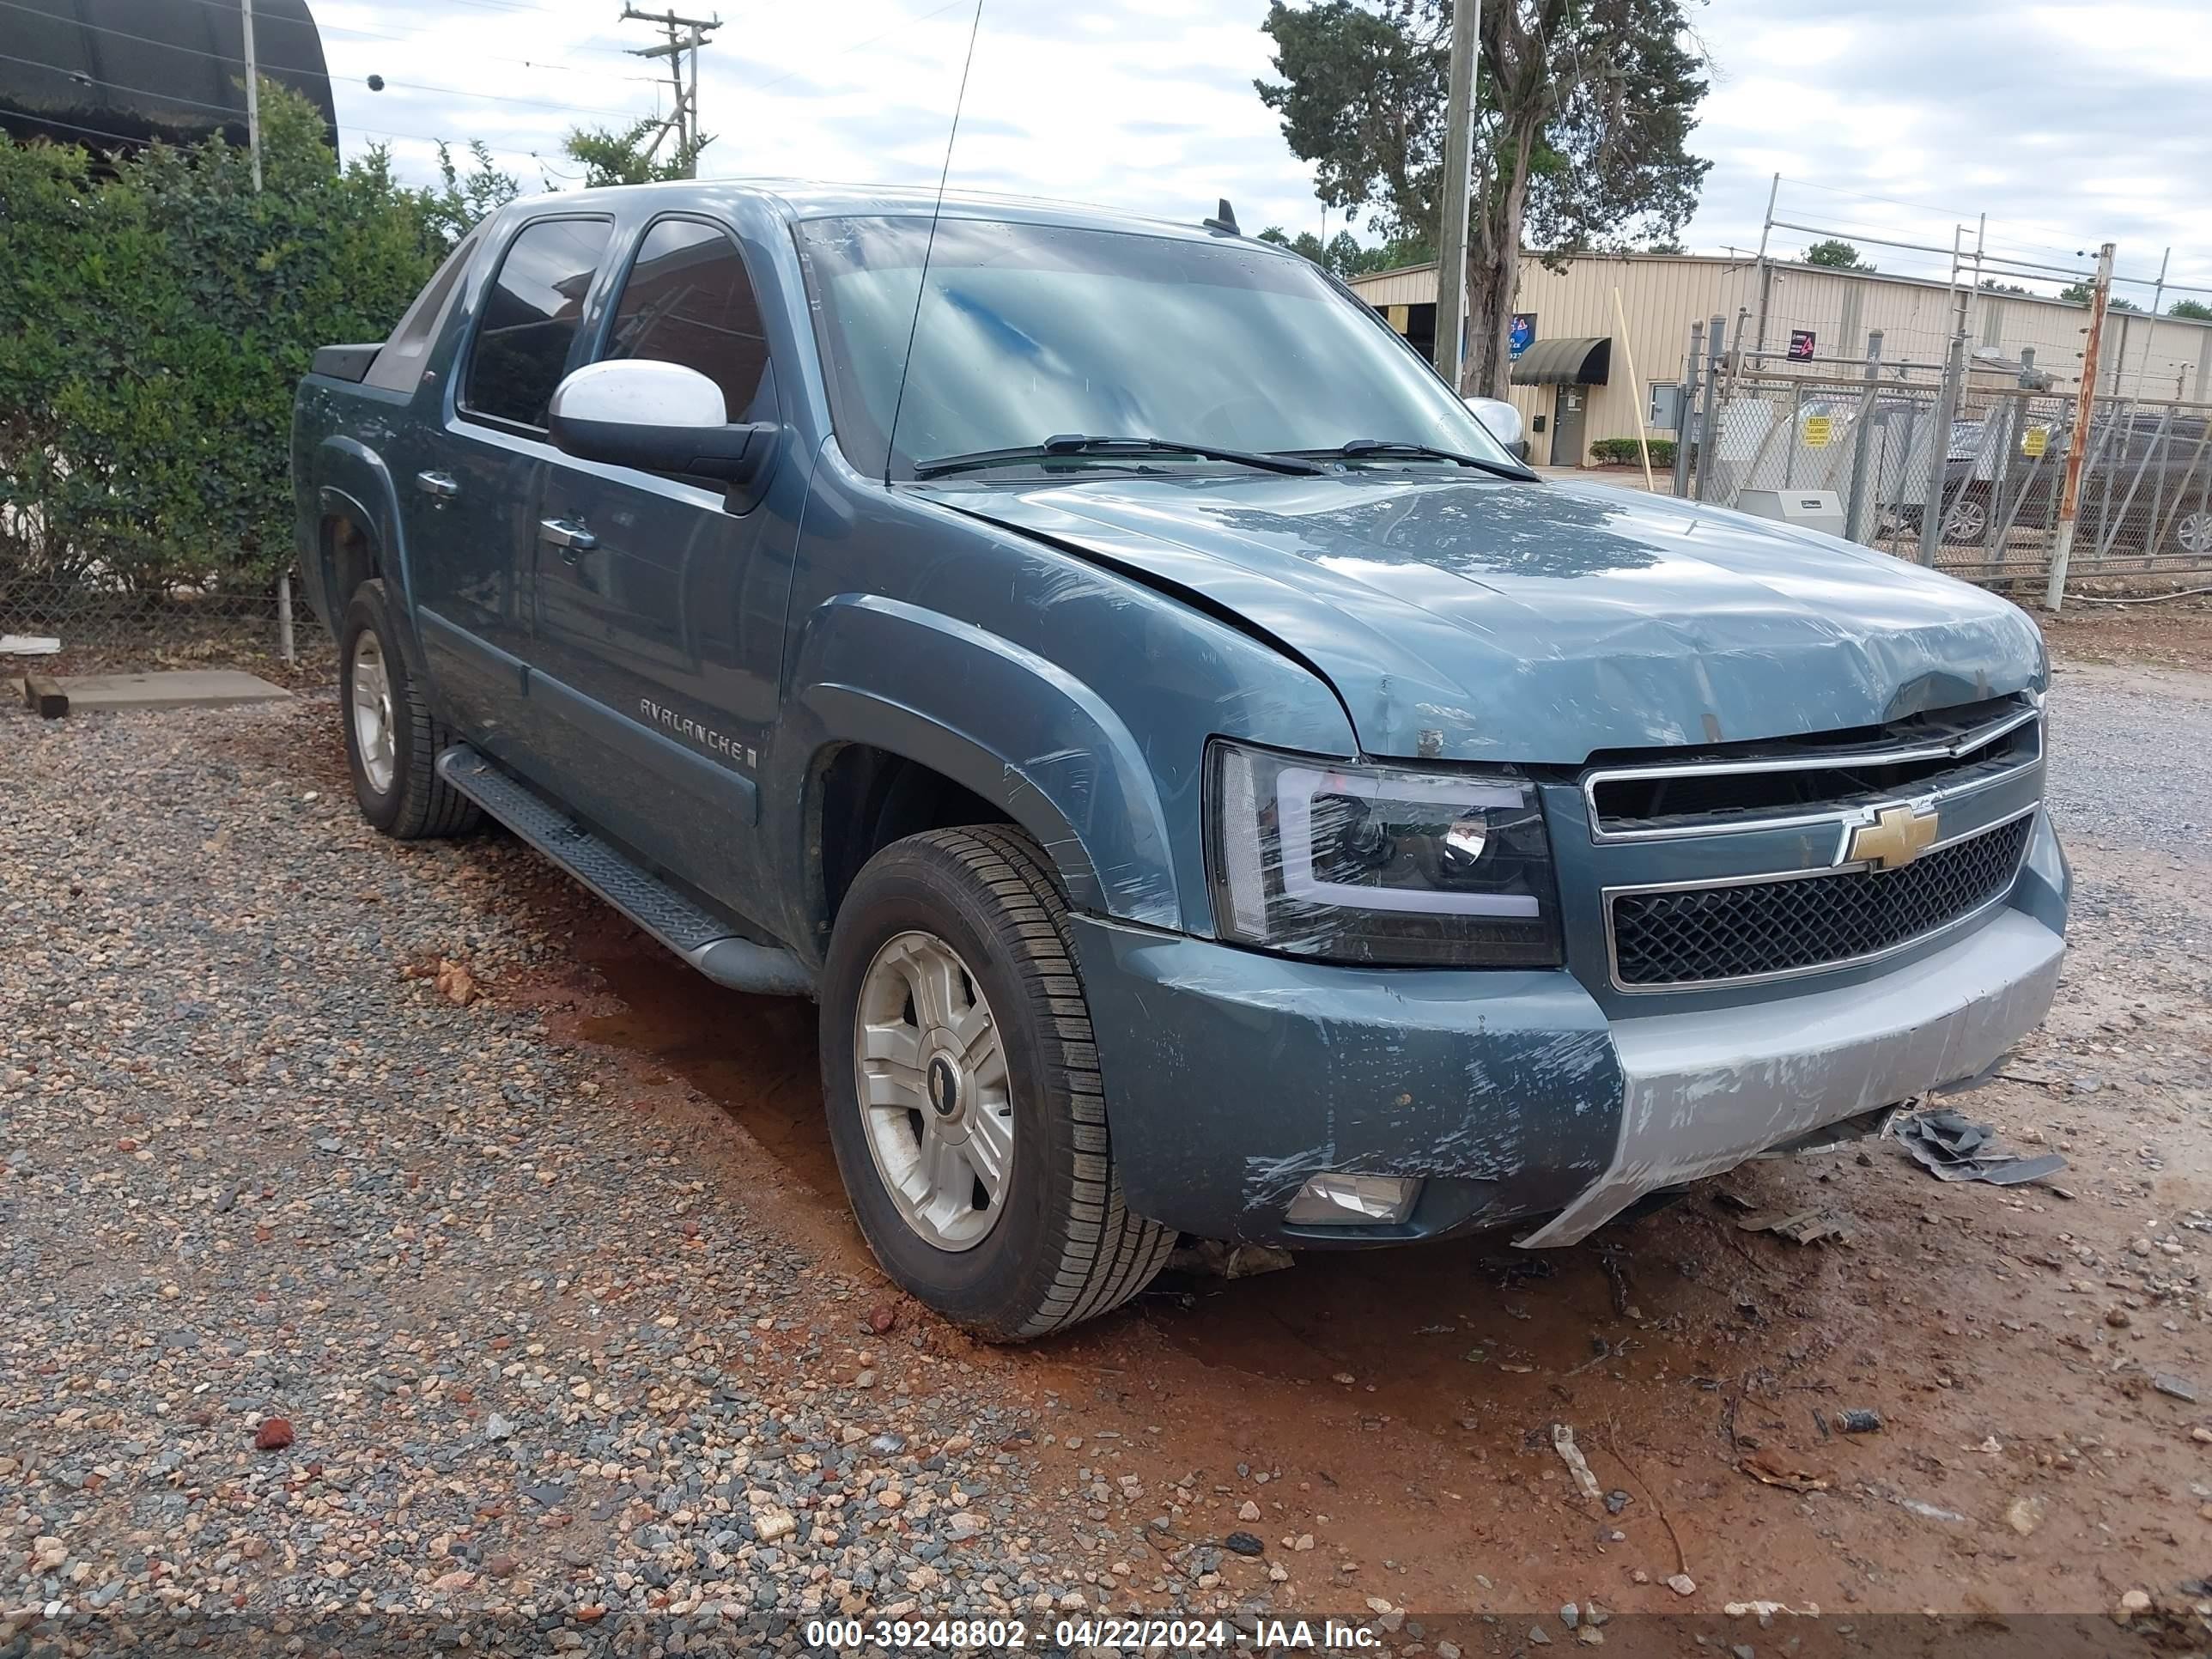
pixel 530 317
pixel 688 301
pixel 399 365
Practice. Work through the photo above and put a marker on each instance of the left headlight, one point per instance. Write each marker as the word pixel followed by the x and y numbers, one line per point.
pixel 1378 864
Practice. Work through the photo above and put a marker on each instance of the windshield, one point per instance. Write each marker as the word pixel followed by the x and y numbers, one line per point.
pixel 1032 331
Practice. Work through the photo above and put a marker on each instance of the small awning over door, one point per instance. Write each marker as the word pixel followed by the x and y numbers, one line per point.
pixel 1564 362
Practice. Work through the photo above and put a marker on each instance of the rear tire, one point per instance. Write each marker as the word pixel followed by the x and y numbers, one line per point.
pixel 1966 522
pixel 2192 533
pixel 975 910
pixel 393 741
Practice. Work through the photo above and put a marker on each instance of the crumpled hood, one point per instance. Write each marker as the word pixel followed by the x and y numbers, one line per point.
pixel 1493 620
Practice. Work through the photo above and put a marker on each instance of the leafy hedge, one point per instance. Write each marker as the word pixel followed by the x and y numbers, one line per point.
pixel 156 313
pixel 1625 452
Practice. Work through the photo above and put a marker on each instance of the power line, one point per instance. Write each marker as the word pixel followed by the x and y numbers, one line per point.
pixel 907 22
pixel 404 86
pixel 228 7
pixel 98 132
pixel 327 29
pixel 231 111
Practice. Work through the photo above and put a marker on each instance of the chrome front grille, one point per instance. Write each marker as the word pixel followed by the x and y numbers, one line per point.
pixel 1698 934
pixel 1730 788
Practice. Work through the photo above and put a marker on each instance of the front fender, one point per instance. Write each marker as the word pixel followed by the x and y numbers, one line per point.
pixel 1017 729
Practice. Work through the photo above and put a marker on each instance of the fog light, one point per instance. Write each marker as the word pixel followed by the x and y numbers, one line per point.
pixel 1354 1200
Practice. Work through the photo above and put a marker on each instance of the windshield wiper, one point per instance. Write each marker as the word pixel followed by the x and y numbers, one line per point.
pixel 1076 444
pixel 1360 449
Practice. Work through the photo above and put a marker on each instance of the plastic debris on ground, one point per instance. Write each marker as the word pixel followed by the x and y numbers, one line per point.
pixel 1952 1147
pixel 1210 1258
pixel 1783 1468
pixel 1804 1226
pixel 28 645
pixel 1563 1440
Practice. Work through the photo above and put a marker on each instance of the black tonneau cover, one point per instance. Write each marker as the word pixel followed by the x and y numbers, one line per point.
pixel 345 363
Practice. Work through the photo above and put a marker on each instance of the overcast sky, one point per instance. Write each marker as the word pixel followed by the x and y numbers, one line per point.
pixel 2066 124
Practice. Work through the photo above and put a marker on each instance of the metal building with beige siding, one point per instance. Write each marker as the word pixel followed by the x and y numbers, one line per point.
pixel 1572 374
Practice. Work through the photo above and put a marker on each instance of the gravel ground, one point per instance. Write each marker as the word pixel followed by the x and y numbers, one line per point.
pixel 333 1297
pixel 358 1291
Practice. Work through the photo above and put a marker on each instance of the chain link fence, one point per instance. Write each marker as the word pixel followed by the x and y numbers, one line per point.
pixel 1955 470
pixel 103 626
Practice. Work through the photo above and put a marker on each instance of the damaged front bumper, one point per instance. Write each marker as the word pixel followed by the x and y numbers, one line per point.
pixel 1233 1078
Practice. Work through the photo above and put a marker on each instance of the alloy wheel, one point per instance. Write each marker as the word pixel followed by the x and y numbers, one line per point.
pixel 2194 532
pixel 929 1065
pixel 1968 521
pixel 373 725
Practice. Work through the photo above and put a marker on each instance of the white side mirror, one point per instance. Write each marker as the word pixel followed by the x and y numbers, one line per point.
pixel 658 418
pixel 634 391
pixel 1500 419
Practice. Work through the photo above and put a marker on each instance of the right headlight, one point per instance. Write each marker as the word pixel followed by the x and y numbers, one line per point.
pixel 1378 864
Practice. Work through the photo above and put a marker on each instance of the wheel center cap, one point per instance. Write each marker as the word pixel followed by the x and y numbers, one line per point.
pixel 943 1087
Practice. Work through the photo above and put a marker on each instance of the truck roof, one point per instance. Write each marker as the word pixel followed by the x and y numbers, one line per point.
pixel 799 199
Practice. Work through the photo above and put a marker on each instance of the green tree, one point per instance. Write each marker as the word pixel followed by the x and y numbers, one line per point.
pixel 462 198
pixel 1345 256
pixel 1304 242
pixel 1990 285
pixel 1835 256
pixel 1586 107
pixel 156 314
pixel 2078 294
pixel 627 157
pixel 2195 311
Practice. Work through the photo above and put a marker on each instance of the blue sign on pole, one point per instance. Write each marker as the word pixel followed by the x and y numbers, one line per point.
pixel 1522 334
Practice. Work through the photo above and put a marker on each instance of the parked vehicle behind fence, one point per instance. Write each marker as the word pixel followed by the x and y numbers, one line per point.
pixel 1208 784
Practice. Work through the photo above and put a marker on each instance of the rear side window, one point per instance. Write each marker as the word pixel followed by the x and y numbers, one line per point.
pixel 688 301
pixel 399 365
pixel 530 318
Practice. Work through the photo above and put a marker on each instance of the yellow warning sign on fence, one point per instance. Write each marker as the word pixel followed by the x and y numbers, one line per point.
pixel 1818 428
pixel 2034 442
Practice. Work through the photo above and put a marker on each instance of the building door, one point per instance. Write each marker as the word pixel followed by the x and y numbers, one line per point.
pixel 1567 426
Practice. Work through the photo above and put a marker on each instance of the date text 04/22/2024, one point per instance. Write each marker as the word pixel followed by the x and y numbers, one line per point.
pixel 1126 1635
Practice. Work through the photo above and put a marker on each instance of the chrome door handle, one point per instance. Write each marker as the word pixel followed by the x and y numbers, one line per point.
pixel 441 485
pixel 572 539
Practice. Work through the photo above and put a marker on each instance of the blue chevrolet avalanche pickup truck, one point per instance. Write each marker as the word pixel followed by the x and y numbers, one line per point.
pixel 1207 783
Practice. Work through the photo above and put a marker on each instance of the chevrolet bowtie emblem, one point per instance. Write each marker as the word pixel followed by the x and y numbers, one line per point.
pixel 1898 835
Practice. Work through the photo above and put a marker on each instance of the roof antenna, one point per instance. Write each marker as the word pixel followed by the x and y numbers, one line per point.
pixel 921 286
pixel 1223 219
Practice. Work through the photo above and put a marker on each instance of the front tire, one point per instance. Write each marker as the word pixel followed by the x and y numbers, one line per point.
pixel 393 741
pixel 962 1080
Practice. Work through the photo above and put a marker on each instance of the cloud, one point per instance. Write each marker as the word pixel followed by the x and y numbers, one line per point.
pixel 2065 123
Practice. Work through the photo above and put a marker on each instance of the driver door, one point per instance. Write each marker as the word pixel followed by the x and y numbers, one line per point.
pixel 659 599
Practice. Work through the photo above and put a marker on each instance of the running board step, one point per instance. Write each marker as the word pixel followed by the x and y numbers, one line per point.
pixel 708 942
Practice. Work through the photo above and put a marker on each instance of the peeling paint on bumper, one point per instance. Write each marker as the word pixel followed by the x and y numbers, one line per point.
pixel 1232 1076
pixel 1706 1091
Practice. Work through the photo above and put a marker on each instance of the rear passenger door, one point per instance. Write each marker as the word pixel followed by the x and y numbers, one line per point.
pixel 471 496
pixel 660 601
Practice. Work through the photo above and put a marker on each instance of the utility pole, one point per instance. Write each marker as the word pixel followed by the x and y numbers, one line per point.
pixel 1459 165
pixel 1765 271
pixel 2077 442
pixel 285 648
pixel 684 34
pixel 252 94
